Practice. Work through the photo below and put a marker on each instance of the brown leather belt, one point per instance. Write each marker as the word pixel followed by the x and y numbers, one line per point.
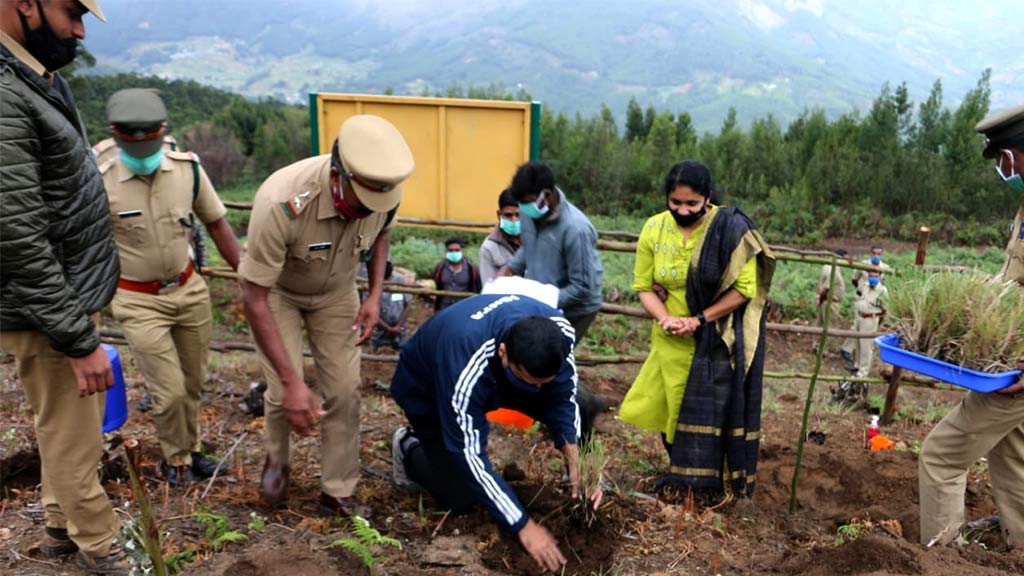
pixel 157 286
pixel 872 315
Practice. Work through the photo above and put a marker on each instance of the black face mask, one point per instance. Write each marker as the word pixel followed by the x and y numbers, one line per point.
pixel 688 219
pixel 42 43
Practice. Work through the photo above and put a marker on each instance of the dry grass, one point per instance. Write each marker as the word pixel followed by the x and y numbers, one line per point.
pixel 968 319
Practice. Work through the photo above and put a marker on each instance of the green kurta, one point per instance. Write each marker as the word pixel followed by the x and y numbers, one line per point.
pixel 664 256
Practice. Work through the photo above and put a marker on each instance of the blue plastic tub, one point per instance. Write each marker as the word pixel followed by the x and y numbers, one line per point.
pixel 116 412
pixel 890 351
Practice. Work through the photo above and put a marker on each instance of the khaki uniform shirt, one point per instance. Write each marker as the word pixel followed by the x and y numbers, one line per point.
pixel 871 299
pixel 839 290
pixel 297 241
pixel 1013 269
pixel 152 215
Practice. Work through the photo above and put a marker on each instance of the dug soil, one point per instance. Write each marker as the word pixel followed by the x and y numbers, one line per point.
pixel 871 495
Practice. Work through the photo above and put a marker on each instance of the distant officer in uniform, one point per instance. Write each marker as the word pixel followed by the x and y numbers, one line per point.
pixel 312 224
pixel 869 308
pixel 838 291
pixel 162 304
pixel 989 425
pixel 106 149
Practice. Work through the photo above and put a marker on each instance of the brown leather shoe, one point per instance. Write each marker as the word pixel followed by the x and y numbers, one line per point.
pixel 274 483
pixel 347 507
pixel 56 543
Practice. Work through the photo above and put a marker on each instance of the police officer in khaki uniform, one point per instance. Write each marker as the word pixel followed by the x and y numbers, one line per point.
pixel 990 425
pixel 312 224
pixel 839 291
pixel 869 308
pixel 162 303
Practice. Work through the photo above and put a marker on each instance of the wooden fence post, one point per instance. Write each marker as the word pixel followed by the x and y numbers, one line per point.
pixel 890 396
pixel 922 245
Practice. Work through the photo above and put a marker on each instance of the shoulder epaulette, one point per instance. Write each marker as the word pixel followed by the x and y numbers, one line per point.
pixel 105 166
pixel 295 205
pixel 178 155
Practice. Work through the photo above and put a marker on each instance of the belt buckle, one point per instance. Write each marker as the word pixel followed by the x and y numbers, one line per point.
pixel 166 286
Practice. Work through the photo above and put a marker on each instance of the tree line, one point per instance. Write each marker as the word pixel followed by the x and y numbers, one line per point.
pixel 883 172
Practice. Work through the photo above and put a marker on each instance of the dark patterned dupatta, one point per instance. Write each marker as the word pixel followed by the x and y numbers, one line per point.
pixel 719 428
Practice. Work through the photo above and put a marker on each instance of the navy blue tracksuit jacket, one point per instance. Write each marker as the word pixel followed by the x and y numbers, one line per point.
pixel 449 374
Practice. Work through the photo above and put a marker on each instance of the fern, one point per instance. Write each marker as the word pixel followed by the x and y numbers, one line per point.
pixel 365 536
pixel 216 529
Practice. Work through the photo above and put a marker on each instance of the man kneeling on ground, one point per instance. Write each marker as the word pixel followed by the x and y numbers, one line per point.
pixel 482 353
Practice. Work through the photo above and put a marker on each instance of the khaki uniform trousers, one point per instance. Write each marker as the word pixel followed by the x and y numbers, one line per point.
pixel 68 431
pixel 865 346
pixel 328 318
pixel 169 335
pixel 833 319
pixel 983 424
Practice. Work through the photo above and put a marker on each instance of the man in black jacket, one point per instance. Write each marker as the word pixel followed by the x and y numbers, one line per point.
pixel 58 268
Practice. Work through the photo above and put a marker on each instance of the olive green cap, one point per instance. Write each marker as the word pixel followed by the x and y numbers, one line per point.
pixel 1004 129
pixel 137 112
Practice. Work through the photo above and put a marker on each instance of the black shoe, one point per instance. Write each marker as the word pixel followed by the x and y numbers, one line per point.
pixel 203 467
pixel 848 356
pixel 145 404
pixel 179 475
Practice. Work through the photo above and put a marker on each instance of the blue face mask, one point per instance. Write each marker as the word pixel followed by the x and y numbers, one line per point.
pixel 454 257
pixel 509 227
pixel 876 260
pixel 142 166
pixel 533 210
pixel 519 383
pixel 873 281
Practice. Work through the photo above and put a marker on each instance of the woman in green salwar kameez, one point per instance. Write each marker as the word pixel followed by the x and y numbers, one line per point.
pixel 669 252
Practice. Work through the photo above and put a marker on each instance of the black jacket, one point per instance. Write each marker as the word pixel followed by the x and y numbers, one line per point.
pixel 58 260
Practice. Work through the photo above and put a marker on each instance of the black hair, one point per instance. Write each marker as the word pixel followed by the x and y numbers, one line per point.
pixel 690 173
pixel 537 345
pixel 336 158
pixel 506 199
pixel 840 251
pixel 876 247
pixel 531 179
pixel 389 269
pixel 454 240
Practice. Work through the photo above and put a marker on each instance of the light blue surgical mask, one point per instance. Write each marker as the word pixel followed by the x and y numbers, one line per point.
pixel 876 260
pixel 454 257
pixel 509 227
pixel 533 209
pixel 142 166
pixel 873 281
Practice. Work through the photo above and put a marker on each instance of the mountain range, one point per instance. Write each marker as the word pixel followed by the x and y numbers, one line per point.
pixel 699 56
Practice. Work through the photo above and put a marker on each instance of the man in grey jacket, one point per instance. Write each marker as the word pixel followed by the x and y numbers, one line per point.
pixel 58 268
pixel 559 247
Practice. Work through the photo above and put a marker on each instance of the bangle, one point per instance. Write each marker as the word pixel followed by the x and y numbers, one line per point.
pixel 701 318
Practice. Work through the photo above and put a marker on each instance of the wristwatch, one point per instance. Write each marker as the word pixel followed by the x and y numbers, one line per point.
pixel 701 318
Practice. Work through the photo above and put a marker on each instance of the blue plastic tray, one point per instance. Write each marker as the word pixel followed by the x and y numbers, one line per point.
pixel 890 351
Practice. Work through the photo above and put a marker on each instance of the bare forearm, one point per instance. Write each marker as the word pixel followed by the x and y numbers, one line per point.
pixel 724 306
pixel 264 331
pixel 224 238
pixel 653 305
pixel 375 267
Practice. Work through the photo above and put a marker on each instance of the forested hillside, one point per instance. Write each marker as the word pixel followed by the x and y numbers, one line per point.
pixel 884 173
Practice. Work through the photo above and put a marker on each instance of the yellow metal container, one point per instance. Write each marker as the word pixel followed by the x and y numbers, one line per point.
pixel 465 150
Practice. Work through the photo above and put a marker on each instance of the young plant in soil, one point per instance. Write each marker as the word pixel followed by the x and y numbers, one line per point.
pixel 590 467
pixel 969 319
